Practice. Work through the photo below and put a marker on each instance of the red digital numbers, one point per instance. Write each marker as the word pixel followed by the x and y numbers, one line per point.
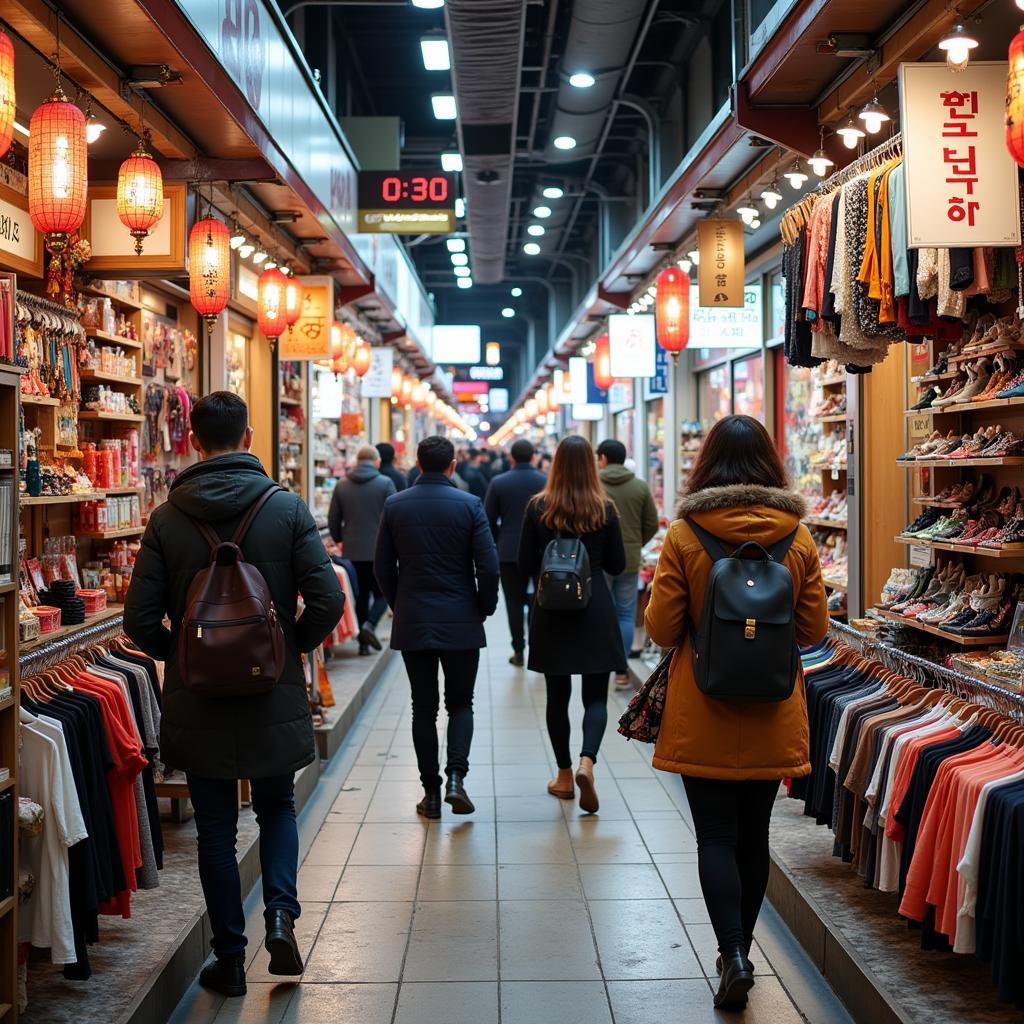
pixel 438 190
pixel 417 189
pixel 391 189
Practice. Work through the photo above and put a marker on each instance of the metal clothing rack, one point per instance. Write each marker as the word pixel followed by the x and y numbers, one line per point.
pixel 929 673
pixel 892 147
pixel 50 654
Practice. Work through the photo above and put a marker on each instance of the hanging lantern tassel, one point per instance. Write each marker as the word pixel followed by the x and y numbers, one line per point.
pixel 209 258
pixel 140 194
pixel 672 311
pixel 1015 99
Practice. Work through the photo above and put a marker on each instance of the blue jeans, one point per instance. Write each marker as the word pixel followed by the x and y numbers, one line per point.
pixel 624 594
pixel 215 802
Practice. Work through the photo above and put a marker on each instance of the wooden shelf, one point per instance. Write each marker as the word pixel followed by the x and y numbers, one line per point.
pixel 828 382
pixel 39 400
pixel 112 378
pixel 835 418
pixel 8 588
pixel 967 357
pixel 27 501
pixel 963 641
pixel 1014 551
pixel 828 524
pixel 92 290
pixel 109 491
pixel 125 531
pixel 935 378
pixel 8 904
pixel 113 417
pixel 110 612
pixel 112 339
pixel 1008 460
pixel 932 503
pixel 827 467
pixel 958 407
pixel 835 584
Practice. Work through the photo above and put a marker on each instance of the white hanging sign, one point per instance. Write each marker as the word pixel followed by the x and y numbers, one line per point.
pixel 578 380
pixel 633 343
pixel 961 181
pixel 377 381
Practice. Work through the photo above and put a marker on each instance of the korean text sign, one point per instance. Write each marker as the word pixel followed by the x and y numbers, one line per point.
pixel 961 182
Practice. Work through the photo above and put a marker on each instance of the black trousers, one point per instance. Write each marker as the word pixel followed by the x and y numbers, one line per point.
pixel 516 587
pixel 732 819
pixel 366 613
pixel 595 715
pixel 460 669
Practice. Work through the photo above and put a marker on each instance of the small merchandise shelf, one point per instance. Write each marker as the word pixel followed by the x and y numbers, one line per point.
pixel 1012 551
pixel 1006 460
pixel 962 407
pixel 827 524
pixel 839 417
pixel 114 417
pixel 112 378
pixel 112 339
pixel 835 584
pixel 110 612
pixel 39 400
pixel 967 357
pixel 126 531
pixel 924 627
pixel 829 382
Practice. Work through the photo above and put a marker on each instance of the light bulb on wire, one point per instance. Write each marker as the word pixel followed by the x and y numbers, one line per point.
pixel 958 43
pixel 747 212
pixel 851 133
pixel 795 176
pixel 874 115
pixel 821 161
pixel 771 196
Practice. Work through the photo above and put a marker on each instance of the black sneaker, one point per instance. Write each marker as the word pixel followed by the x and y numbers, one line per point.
pixel 368 637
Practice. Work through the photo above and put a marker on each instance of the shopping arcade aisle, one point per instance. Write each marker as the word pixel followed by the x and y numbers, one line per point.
pixel 526 913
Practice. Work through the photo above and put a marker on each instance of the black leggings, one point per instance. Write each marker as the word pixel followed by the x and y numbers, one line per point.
pixel 732 819
pixel 595 715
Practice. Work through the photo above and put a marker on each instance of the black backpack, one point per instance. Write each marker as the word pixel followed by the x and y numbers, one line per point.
pixel 744 648
pixel 564 583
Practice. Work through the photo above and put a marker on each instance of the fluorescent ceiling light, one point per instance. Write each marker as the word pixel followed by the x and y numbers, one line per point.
pixel 435 54
pixel 465 282
pixel 531 249
pixel 560 141
pixel 451 162
pixel 582 80
pixel 542 212
pixel 444 106
pixel 456 244
pixel 516 292
pixel 93 130
pixel 461 271
pixel 460 207
pixel 508 312
pixel 459 259
pixel 19 127
pixel 553 192
pixel 536 230
pixel 428 5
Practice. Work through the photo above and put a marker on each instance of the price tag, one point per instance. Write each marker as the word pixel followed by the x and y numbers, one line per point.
pixel 835 473
pixel 920 555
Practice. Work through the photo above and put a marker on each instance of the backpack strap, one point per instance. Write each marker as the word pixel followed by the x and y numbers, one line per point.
pixel 711 544
pixel 254 511
pixel 207 531
pixel 780 548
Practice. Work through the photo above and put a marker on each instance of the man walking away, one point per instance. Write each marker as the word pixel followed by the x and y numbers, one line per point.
pixel 474 475
pixel 437 565
pixel 265 737
pixel 388 467
pixel 506 502
pixel 354 517
pixel 639 517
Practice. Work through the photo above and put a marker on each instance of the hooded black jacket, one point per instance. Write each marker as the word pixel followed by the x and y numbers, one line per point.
pixel 247 737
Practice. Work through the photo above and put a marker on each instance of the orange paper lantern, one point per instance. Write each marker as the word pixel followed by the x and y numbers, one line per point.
pixel 209 259
pixel 419 396
pixel 363 358
pixel 543 402
pixel 58 176
pixel 396 383
pixel 672 311
pixel 140 195
pixel 407 386
pixel 603 362
pixel 1015 99
pixel 270 303
pixel 292 302
pixel 7 93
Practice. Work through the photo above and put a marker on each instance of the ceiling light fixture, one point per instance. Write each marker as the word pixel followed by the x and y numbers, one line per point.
pixel 542 211
pixel 93 130
pixel 747 212
pixel 461 271
pixel 754 224
pixel 582 80
pixel 259 255
pixel 874 115
pixel 456 244
pixel 536 230
pixel 459 259
pixel 694 255
pixel 237 238
pixel 428 5
pixel 465 282
pixel 821 161
pixel 436 55
pixel 771 196
pixel 451 162
pixel 531 249
pixel 444 106
pixel 795 176
pixel 563 142
pixel 508 312
pixel 851 133
pixel 516 292
pixel 551 192
pixel 460 207
pixel 246 250
pixel 958 43
pixel 684 265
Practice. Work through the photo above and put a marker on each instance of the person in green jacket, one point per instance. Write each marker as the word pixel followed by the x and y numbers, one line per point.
pixel 639 517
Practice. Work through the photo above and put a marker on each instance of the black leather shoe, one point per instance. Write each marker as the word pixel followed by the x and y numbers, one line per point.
pixel 737 980
pixel 225 976
pixel 280 943
pixel 517 659
pixel 364 650
pixel 368 637
pixel 456 797
pixel 430 805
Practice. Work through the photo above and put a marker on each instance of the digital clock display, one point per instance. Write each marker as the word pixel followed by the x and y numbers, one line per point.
pixel 406 202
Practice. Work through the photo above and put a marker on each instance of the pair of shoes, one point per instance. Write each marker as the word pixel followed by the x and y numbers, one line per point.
pixel 517 659
pixel 623 682
pixel 226 975
pixel 737 979
pixel 562 794
pixel 455 796
pixel 368 638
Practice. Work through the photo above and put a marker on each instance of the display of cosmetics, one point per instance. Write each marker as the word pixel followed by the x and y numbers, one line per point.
pixel 946 597
pixel 63 594
pixel 982 517
pixel 99 314
pixel 115 463
pixel 108 359
pixel 114 513
pixel 101 398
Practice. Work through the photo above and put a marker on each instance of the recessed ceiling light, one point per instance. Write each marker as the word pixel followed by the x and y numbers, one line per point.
pixel 531 249
pixel 536 230
pixel 444 106
pixel 559 142
pixel 582 80
pixel 553 192
pixel 456 244
pixel 436 56
pixel 460 207
pixel 508 312
pixel 461 271
pixel 451 162
pixel 542 212
pixel 465 282
pixel 428 5
pixel 19 127
pixel 516 292
pixel 459 259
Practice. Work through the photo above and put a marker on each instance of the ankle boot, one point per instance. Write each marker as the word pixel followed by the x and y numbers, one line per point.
pixel 280 943
pixel 430 805
pixel 737 979
pixel 456 797
pixel 226 976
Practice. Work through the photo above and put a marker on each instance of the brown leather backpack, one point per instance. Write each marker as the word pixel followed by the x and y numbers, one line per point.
pixel 231 642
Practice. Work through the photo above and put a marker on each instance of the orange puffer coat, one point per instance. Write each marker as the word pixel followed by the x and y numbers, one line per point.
pixel 718 739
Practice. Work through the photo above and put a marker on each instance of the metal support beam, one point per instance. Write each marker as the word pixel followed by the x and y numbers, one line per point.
pixel 795 128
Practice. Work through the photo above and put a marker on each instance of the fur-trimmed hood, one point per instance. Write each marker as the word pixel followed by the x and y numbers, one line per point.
pixel 712 499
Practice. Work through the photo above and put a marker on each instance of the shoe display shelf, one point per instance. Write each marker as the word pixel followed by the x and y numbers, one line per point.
pixel 1006 551
pixel 924 627
pixel 826 524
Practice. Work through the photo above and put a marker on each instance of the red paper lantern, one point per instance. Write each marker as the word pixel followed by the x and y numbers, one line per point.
pixel 407 387
pixel 603 362
pixel 140 194
pixel 363 358
pixel 396 383
pixel 58 176
pixel 672 311
pixel 419 396
pixel 209 259
pixel 7 95
pixel 270 303
pixel 292 302
pixel 1015 99
pixel 543 403
pixel 343 346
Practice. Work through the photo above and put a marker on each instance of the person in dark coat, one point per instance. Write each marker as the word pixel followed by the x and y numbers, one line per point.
pixel 353 519
pixel 586 643
pixel 507 497
pixel 388 467
pixel 472 472
pixel 217 741
pixel 437 565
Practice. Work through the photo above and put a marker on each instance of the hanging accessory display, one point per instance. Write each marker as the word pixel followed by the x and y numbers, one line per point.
pixel 209 258
pixel 140 193
pixel 672 311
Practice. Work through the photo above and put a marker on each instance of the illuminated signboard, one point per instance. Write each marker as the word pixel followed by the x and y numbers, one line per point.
pixel 406 203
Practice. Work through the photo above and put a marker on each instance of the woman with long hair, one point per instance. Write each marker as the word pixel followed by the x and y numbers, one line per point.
pixel 586 642
pixel 732 755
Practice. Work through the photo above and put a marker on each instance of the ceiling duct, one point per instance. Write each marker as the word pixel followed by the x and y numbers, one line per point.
pixel 486 39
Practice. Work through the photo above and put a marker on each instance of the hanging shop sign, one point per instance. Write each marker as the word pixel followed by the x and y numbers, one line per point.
pixel 578 380
pixel 632 340
pixel 328 398
pixel 498 399
pixel 113 248
pixel 620 396
pixel 722 263
pixel 587 412
pixel 962 186
pixel 728 328
pixel 21 246
pixel 657 385
pixel 377 381
pixel 406 203
pixel 486 373
pixel 310 338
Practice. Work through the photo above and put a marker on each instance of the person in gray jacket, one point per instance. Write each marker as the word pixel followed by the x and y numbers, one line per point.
pixel 354 518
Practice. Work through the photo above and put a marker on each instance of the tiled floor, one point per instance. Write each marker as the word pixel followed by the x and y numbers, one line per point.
pixel 528 912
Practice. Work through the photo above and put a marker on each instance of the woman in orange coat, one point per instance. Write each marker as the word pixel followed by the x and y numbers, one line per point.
pixel 732 755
